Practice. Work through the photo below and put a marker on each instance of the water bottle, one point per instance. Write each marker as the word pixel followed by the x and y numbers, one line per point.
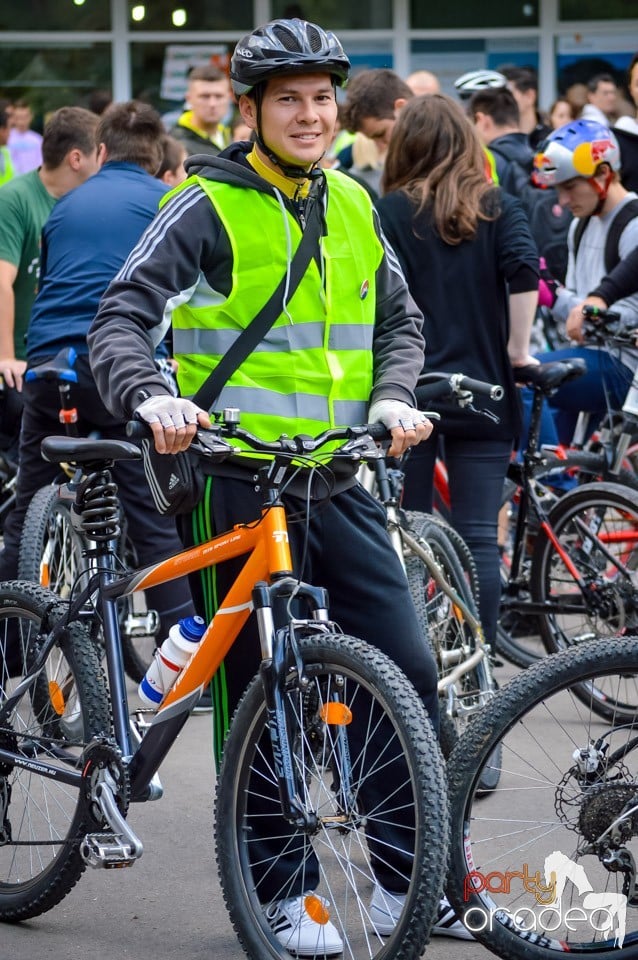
pixel 170 659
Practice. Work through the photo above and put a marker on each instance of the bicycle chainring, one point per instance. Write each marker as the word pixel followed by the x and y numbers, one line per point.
pixel 102 761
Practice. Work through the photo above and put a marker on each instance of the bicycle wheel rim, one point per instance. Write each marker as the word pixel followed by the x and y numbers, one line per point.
pixel 333 865
pixel 551 804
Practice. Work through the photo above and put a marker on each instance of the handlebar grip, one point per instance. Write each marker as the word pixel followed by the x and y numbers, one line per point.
pixel 378 431
pixel 597 313
pixel 492 390
pixel 138 430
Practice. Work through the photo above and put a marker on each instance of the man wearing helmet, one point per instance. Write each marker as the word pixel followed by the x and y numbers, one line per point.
pixel 582 160
pixel 347 340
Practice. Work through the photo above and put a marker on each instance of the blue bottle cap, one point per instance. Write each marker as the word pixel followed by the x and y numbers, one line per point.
pixel 193 628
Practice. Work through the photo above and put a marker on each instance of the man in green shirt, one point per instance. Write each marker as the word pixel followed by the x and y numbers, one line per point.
pixel 69 156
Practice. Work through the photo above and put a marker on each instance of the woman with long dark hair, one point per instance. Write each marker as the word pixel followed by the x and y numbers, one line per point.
pixel 472 267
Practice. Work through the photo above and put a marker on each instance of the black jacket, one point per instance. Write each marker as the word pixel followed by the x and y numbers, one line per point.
pixel 463 293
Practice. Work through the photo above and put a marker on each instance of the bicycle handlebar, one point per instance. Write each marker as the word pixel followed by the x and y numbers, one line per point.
pixel 216 443
pixel 438 385
pixel 602 326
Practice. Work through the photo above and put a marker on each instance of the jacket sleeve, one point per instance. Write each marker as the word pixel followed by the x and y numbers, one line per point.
pixel 134 315
pixel 399 345
pixel 621 282
pixel 517 251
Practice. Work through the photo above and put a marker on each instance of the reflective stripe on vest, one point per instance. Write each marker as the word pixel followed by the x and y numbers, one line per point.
pixel 313 369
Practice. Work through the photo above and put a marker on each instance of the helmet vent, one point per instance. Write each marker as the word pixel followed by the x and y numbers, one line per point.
pixel 286 38
pixel 315 39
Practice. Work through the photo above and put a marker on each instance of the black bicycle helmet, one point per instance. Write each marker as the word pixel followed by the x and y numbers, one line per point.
pixel 286 46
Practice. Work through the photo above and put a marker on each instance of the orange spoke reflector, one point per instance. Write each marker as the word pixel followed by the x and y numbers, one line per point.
pixel 336 713
pixel 44 575
pixel 57 697
pixel 316 909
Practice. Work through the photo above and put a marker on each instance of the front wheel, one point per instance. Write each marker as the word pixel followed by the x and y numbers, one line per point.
pixel 364 874
pixel 541 867
pixel 43 820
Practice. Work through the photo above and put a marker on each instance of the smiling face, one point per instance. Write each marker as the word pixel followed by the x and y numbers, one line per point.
pixel 298 117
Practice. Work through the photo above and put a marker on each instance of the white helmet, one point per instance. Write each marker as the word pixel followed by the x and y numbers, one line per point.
pixel 477 80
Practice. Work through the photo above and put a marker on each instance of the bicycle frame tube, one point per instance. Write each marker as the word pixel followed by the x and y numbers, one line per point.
pixel 269 558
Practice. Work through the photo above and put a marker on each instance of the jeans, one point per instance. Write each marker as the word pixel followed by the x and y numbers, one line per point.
pixel 602 388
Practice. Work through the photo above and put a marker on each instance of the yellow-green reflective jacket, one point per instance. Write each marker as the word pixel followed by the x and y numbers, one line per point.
pixel 6 166
pixel 313 369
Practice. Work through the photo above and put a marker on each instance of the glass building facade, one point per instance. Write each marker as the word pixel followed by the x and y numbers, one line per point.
pixel 58 53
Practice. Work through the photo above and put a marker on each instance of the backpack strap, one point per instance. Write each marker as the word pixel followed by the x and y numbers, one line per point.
pixel 581 226
pixel 628 212
pixel 612 257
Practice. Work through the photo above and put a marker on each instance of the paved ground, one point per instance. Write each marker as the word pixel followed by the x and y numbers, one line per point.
pixel 168 906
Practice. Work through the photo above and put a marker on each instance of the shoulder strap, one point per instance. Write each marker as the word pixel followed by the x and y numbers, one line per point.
pixel 579 231
pixel 628 212
pixel 255 332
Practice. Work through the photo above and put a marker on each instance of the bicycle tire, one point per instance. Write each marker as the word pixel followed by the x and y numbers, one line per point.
pixel 50 549
pixel 565 779
pixel 378 693
pixel 519 635
pixel 608 606
pixel 463 552
pixel 43 820
pixel 52 554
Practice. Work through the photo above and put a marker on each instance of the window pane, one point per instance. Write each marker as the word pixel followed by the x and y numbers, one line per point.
pixel 468 13
pixel 591 10
pixel 47 15
pixel 448 59
pixel 54 76
pixel 337 15
pixel 190 15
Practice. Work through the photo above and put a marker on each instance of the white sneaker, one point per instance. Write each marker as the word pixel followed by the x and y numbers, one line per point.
pixel 385 910
pixel 447 923
pixel 301 934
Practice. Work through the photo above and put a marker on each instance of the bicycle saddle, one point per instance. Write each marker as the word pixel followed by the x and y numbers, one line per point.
pixel 87 450
pixel 549 376
pixel 60 367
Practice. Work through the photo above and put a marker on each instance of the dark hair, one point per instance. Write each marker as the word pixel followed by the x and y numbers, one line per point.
pixel 132 133
pixel 372 93
pixel 569 103
pixel 99 100
pixel 172 155
pixel 4 118
pixel 523 78
pixel 435 156
pixel 209 72
pixel 69 128
pixel 499 104
pixel 592 83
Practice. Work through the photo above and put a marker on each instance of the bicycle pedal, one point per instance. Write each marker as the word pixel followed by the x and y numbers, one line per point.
pixel 108 851
pixel 141 625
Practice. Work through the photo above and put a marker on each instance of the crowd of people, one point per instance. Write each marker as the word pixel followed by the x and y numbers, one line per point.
pixel 445 222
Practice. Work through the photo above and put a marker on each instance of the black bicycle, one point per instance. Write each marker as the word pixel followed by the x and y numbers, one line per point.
pixel 331 778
